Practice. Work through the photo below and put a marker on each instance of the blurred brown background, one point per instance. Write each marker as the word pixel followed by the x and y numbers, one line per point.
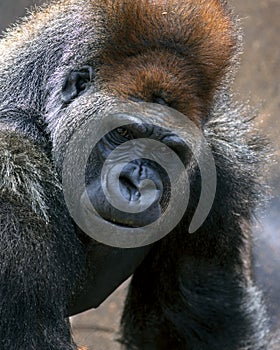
pixel 258 80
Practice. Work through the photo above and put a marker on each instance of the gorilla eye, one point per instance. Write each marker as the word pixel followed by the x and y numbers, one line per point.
pixel 160 100
pixel 123 132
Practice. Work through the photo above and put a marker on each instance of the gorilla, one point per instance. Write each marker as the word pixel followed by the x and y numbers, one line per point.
pixel 71 65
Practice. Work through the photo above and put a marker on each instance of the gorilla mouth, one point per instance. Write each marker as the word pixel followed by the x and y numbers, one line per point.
pixel 126 222
pixel 122 224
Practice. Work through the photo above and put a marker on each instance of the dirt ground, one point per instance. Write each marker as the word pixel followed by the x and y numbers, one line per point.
pixel 259 80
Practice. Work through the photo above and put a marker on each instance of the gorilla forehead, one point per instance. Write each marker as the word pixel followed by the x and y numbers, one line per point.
pixel 203 25
pixel 175 50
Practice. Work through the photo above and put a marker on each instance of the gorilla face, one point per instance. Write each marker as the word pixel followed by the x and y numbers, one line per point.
pixel 137 179
pixel 141 182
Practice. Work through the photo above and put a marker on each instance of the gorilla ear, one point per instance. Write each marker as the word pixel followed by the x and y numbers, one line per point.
pixel 76 83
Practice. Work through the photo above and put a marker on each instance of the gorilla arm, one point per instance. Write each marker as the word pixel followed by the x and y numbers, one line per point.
pixel 40 256
pixel 32 209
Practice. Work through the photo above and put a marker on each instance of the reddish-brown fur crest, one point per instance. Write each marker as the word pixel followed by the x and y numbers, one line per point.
pixel 174 49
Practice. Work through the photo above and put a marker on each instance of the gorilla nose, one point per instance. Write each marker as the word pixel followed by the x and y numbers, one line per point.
pixel 139 181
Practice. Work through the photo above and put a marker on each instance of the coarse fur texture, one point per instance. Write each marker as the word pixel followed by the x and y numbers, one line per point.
pixel 191 291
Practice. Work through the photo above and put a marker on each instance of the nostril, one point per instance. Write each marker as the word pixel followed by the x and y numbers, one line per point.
pixel 128 189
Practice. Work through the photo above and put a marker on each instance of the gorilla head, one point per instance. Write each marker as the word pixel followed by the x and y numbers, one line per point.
pixel 171 58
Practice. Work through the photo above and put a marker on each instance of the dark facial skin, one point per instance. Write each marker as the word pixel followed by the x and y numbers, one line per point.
pixel 132 175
